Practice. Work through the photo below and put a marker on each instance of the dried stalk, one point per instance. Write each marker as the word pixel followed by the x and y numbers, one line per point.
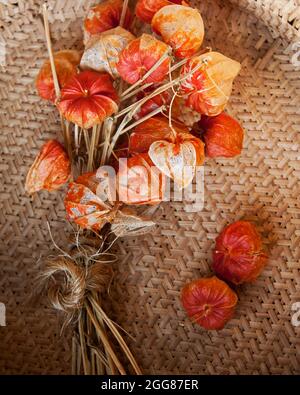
pixel 50 52
pixel 116 333
pixel 105 340
pixel 91 151
pixel 123 14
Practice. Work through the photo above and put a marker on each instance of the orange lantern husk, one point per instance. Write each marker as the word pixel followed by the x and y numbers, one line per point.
pixel 209 302
pixel 105 16
pixel 223 136
pixel 66 66
pixel 86 205
pixel 155 102
pixel 102 51
pixel 238 256
pixel 88 99
pixel 181 27
pixel 209 85
pixel 146 9
pixel 50 170
pixel 140 56
pixel 140 182
pixel 174 151
pixel 154 129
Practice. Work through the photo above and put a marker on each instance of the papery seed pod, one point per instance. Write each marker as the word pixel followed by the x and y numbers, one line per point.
pixel 88 99
pixel 102 51
pixel 182 113
pixel 209 84
pixel 238 256
pixel 209 302
pixel 181 27
pixel 154 129
pixel 139 182
pixel 66 66
pixel 155 102
pixel 140 56
pixel 85 206
pixel 105 16
pixel 50 170
pixel 223 136
pixel 146 9
pixel 172 149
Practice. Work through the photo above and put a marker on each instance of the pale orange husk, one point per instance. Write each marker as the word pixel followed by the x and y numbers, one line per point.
pixel 181 27
pixel 208 88
pixel 50 170
pixel 102 50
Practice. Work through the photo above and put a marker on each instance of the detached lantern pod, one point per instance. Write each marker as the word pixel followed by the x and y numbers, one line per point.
pixel 50 170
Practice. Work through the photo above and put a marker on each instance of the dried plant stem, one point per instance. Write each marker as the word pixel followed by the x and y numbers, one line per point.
pixel 149 72
pixel 100 312
pixel 91 151
pixel 108 128
pixel 150 115
pixel 74 355
pixel 49 46
pixel 111 368
pixel 105 341
pixel 86 367
pixel 76 138
pixel 123 14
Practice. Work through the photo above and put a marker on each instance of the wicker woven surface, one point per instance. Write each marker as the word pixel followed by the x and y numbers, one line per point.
pixel 261 185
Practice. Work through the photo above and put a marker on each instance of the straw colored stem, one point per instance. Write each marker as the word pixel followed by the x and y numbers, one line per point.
pixel 116 333
pixel 105 341
pixel 123 14
pixel 83 346
pixel 91 151
pixel 49 46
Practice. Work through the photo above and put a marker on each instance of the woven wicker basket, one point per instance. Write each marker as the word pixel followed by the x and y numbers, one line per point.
pixel 261 185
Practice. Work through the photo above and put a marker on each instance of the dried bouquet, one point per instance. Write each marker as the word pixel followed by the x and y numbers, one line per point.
pixel 134 108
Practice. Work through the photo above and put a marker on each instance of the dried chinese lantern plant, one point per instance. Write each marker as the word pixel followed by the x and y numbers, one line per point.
pixel 138 99
pixel 238 257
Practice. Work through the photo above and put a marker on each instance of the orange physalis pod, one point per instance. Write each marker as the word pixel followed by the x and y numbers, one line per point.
pixel 209 84
pixel 209 302
pixel 153 103
pixel 151 130
pixel 140 56
pixel 139 181
pixel 238 256
pixel 86 206
pixel 102 50
pixel 66 65
pixel 105 16
pixel 88 99
pixel 171 148
pixel 223 136
pixel 50 170
pixel 181 27
pixel 145 9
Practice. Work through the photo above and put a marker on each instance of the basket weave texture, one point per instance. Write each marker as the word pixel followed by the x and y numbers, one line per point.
pixel 262 185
